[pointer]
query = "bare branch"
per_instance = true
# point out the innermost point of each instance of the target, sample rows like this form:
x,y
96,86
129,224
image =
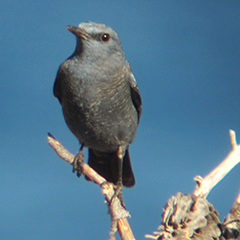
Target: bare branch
x,y
118,213
205,185
190,216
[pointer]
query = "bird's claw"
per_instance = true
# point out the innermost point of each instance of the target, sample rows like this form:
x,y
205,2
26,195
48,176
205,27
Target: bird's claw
x,y
77,163
118,194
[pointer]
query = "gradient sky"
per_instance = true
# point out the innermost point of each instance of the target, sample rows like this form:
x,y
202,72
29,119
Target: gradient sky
x,y
185,56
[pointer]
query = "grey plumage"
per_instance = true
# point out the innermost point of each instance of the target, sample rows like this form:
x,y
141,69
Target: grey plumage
x,y
100,99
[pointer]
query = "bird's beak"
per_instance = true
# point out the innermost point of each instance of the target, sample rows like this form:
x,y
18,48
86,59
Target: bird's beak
x,y
78,32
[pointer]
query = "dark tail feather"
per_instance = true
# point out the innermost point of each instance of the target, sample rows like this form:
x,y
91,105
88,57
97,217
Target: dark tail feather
x,y
106,164
103,164
128,176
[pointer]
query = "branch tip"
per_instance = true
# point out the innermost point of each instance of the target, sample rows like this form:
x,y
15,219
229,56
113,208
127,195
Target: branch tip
x,y
233,138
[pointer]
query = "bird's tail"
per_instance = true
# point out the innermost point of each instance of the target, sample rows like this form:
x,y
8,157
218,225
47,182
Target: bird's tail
x,y
106,164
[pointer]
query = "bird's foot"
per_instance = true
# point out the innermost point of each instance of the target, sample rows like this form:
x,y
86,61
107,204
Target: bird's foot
x,y
77,163
118,194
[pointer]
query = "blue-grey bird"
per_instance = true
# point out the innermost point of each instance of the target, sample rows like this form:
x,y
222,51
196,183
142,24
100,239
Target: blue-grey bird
x,y
100,100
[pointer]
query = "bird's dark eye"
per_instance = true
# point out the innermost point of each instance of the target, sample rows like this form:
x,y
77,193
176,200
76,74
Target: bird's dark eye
x,y
105,37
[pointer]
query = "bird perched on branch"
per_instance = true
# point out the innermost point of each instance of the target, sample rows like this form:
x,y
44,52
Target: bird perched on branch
x,y
100,100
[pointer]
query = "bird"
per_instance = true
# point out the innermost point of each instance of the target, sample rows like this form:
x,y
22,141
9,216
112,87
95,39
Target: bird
x,y
100,100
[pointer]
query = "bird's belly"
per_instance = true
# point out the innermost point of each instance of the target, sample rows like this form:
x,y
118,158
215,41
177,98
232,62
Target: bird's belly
x,y
101,125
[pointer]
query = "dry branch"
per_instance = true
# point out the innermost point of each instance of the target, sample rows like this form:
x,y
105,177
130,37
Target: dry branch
x,y
118,213
205,185
182,217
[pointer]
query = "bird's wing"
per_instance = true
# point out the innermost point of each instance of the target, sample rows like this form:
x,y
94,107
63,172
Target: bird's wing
x,y
136,97
57,85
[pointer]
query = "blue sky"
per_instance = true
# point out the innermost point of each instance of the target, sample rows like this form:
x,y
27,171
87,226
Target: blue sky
x,y
185,56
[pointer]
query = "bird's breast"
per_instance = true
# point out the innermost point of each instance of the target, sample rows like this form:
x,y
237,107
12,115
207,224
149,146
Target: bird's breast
x,y
99,110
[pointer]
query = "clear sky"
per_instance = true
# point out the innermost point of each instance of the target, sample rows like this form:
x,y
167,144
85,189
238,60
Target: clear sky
x,y
185,56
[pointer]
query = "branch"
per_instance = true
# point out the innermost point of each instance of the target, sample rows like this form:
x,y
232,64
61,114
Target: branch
x,y
192,216
205,185
231,225
118,213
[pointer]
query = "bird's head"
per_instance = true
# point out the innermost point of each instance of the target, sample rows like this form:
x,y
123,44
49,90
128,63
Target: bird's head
x,y
96,40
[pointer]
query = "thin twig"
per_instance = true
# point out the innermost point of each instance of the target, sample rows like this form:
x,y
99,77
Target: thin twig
x,y
205,185
118,213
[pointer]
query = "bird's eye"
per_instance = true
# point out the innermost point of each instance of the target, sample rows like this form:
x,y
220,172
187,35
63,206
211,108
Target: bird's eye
x,y
105,37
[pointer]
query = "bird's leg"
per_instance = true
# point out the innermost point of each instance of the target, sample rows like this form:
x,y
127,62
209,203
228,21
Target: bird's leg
x,y
77,162
118,192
